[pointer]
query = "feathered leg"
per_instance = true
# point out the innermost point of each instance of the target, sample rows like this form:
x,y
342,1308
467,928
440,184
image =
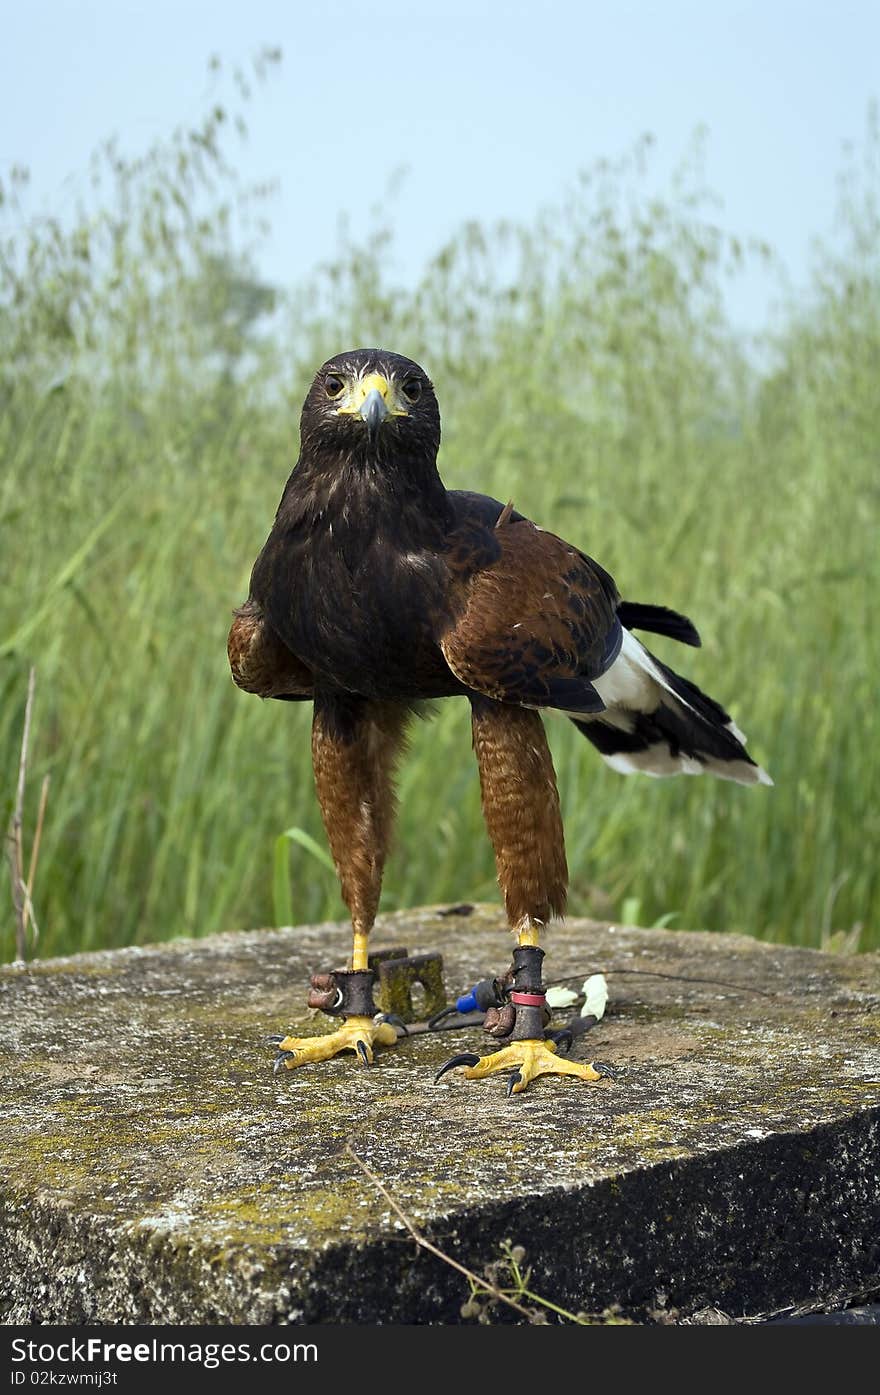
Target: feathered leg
x,y
521,809
355,744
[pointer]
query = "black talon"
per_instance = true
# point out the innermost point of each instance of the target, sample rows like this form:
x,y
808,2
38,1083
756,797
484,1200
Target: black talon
x,y
274,1040
515,1078
281,1059
362,1052
563,1039
395,1021
605,1069
466,1058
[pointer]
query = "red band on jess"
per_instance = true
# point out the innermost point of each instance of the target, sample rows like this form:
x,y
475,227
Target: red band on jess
x,y
528,999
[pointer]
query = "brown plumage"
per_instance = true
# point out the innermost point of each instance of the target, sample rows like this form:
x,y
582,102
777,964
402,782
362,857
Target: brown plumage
x,y
260,662
521,808
355,744
377,589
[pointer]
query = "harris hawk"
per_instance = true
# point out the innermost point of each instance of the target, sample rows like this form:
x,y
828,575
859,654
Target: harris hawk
x,y
378,589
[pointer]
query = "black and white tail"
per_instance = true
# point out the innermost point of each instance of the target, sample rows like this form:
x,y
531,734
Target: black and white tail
x,y
657,723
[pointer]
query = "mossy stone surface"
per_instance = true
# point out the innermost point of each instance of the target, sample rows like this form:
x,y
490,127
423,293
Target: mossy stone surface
x,y
154,1170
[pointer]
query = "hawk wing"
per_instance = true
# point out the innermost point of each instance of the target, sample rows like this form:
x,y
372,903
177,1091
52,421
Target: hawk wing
x,y
536,625
261,663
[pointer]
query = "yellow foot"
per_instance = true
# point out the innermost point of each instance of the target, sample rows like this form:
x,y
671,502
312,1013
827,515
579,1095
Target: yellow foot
x,y
525,1060
358,1034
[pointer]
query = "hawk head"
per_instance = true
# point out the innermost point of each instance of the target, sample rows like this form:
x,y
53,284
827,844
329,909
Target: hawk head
x,y
371,405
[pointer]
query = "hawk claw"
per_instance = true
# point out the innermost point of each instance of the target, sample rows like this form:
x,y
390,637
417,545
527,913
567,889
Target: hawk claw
x,y
515,1079
358,1034
465,1058
564,1039
525,1060
608,1072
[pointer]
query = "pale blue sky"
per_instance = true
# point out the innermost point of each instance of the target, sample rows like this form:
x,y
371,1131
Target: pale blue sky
x,y
492,107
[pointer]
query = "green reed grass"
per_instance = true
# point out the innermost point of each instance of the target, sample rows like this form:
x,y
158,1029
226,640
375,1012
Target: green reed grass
x,y
584,368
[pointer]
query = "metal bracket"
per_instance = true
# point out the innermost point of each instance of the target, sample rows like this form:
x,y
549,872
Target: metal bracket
x,y
397,973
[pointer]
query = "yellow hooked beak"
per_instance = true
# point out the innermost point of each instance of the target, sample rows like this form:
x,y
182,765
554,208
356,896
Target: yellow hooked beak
x,y
374,398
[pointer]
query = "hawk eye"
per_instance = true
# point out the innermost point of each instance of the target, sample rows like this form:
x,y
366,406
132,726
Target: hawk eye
x,y
333,386
412,389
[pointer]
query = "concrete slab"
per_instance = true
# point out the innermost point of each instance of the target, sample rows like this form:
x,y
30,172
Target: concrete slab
x,y
154,1170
